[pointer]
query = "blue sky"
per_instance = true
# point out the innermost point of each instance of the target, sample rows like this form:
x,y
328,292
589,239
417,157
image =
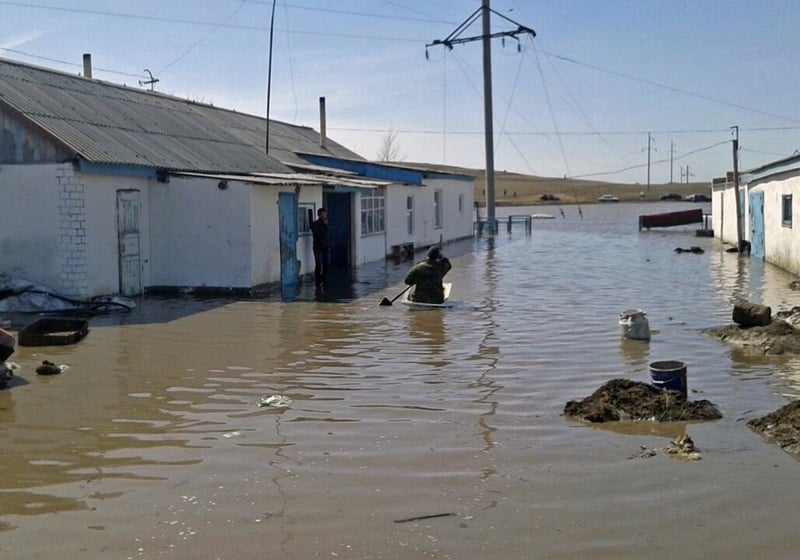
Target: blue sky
x,y
578,100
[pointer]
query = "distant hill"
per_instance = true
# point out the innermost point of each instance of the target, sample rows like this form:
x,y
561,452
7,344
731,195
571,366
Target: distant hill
x,y
517,189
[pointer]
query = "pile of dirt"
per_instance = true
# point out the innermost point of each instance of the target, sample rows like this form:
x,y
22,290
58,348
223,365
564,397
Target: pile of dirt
x,y
781,427
624,399
779,337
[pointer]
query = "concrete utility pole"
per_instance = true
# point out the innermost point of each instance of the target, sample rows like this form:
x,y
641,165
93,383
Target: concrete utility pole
x,y
671,159
739,227
488,126
488,119
648,163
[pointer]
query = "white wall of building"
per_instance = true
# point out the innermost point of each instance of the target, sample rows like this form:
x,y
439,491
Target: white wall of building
x,y
200,234
60,228
456,223
372,246
723,212
458,206
265,232
29,228
397,216
102,239
781,243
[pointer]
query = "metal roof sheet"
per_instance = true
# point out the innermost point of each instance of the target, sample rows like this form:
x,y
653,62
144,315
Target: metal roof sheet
x,y
292,179
787,165
110,123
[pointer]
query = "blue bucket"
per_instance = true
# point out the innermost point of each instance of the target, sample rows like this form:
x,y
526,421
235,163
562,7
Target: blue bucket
x,y
670,374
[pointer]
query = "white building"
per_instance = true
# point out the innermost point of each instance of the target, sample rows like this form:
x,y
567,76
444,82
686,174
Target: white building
x,y
767,197
108,189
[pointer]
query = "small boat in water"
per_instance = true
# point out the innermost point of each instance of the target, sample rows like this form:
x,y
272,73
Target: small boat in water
x,y
53,331
542,216
7,344
407,299
670,219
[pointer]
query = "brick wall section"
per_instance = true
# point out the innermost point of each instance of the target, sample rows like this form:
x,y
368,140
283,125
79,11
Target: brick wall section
x,y
72,234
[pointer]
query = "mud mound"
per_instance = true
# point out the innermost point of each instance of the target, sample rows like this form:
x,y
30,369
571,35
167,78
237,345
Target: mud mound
x,y
623,399
779,337
781,427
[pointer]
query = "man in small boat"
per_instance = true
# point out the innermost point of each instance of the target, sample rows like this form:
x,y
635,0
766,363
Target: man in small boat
x,y
427,277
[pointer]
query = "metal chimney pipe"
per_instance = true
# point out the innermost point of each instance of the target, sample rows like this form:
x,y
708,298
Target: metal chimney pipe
x,y
322,134
87,65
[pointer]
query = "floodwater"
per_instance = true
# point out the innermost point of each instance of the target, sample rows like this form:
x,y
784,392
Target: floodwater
x,y
152,443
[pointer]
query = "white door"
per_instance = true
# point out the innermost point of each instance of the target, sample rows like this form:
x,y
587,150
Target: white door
x,y
130,271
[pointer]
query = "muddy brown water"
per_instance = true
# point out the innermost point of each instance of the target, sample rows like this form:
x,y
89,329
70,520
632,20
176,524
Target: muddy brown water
x,y
152,443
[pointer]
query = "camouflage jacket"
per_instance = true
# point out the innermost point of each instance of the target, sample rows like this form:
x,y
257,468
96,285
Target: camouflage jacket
x,y
427,277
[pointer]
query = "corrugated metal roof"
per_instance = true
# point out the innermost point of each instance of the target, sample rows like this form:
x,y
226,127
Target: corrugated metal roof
x,y
109,123
294,179
785,165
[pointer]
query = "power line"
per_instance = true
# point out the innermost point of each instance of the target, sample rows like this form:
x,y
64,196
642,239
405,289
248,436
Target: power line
x,y
129,15
203,38
672,88
425,19
48,59
570,133
552,115
642,165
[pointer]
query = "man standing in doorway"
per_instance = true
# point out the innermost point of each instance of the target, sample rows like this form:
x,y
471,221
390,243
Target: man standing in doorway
x,y
322,246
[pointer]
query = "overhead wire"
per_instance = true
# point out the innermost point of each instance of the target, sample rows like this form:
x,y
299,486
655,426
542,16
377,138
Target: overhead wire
x,y
643,165
556,129
551,57
130,15
480,96
191,47
505,119
576,104
552,115
68,63
291,61
673,88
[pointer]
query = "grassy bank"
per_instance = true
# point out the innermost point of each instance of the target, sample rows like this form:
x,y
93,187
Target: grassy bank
x,y
525,190
515,189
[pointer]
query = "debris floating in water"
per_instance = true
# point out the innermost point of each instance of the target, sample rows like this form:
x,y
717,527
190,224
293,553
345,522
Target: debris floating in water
x,y
49,368
278,401
424,517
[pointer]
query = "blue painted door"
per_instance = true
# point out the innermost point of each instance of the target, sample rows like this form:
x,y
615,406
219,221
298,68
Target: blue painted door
x,y
287,218
757,225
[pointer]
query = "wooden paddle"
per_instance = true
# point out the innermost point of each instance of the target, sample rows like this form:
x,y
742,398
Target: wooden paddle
x,y
387,301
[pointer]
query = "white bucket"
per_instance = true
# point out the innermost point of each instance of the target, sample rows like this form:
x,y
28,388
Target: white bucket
x,y
634,324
